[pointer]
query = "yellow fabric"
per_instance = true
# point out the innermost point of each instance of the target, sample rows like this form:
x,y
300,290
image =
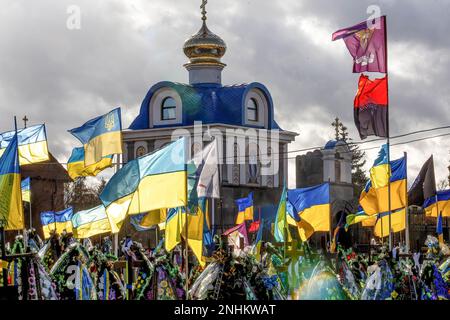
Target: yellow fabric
x,y
77,169
376,200
444,208
369,222
101,146
117,212
11,208
153,192
318,217
379,175
441,238
92,229
154,218
58,226
31,153
26,196
174,228
247,214
4,264
398,223
305,230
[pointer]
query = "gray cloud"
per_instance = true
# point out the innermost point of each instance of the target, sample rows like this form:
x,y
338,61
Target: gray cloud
x,y
63,77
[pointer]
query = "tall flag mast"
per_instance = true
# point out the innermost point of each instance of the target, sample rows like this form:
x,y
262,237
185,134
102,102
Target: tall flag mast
x,y
367,43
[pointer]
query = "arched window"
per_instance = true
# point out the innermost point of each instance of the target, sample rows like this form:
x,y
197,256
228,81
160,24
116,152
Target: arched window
x,y
252,110
168,109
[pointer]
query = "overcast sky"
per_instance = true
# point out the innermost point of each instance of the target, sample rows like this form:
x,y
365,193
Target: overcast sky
x,y
65,77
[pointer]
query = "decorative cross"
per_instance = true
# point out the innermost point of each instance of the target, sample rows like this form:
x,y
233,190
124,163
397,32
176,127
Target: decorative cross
x,y
25,120
203,7
337,124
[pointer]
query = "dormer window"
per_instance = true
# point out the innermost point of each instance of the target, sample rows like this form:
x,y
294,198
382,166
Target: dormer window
x,y
168,109
252,110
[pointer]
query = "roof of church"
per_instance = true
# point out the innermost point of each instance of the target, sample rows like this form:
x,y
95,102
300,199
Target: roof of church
x,y
48,170
332,144
209,103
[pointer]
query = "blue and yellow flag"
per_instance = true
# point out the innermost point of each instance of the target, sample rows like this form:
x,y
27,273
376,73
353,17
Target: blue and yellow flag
x,y
443,203
76,167
100,137
88,223
376,200
146,221
245,208
398,222
26,190
281,226
56,221
439,230
11,208
155,181
32,142
311,209
175,229
357,217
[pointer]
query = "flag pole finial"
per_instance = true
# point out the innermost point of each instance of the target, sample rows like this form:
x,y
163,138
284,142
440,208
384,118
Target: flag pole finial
x,y
203,7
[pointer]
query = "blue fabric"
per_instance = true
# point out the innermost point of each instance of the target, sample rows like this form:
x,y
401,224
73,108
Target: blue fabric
x,y
50,217
209,103
244,203
305,198
382,156
78,155
439,225
25,136
9,161
98,126
443,195
25,184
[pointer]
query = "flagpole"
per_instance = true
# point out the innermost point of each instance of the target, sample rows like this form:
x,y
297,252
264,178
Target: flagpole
x,y
388,133
407,205
186,252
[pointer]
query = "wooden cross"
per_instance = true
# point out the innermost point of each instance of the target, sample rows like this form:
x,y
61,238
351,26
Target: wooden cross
x,y
25,120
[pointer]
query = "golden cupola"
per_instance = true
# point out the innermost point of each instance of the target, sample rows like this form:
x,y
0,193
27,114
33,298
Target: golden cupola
x,y
204,50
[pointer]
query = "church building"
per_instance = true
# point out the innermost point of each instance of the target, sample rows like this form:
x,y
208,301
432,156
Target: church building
x,y
242,115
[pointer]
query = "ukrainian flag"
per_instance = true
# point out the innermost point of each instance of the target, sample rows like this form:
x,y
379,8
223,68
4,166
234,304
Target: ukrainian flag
x,y
76,167
175,229
245,209
398,223
11,209
312,207
375,200
32,143
88,223
443,200
358,217
281,227
146,221
56,221
152,182
100,137
26,191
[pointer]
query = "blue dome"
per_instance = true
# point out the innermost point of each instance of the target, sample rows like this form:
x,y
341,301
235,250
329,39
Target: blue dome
x,y
209,103
330,144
